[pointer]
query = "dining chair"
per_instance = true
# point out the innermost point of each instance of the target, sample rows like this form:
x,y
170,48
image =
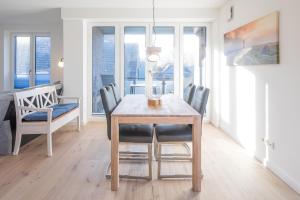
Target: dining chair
x,y
188,93
116,91
178,134
128,133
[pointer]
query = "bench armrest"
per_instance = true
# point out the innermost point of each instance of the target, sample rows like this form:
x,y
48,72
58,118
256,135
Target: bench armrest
x,y
48,110
65,97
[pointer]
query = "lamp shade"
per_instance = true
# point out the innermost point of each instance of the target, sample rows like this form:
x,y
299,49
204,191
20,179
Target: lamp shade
x,y
153,53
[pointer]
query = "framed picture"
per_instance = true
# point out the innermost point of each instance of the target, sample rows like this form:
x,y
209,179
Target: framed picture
x,y
256,43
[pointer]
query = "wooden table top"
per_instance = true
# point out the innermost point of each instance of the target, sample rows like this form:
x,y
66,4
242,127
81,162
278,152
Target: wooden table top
x,y
171,106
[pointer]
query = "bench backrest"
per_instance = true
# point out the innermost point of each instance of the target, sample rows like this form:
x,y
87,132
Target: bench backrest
x,y
34,98
47,96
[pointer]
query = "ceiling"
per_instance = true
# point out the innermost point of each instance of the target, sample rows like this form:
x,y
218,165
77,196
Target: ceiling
x,y
13,8
43,4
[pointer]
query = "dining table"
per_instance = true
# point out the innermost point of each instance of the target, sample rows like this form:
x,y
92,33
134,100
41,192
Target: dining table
x,y
134,109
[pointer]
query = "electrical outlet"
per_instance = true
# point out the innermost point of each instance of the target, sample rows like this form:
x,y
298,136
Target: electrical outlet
x,y
272,145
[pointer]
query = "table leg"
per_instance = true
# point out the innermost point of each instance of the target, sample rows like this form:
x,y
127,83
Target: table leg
x,y
114,154
197,174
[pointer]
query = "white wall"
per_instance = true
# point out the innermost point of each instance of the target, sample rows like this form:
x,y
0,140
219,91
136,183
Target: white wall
x,y
48,22
75,69
263,101
131,14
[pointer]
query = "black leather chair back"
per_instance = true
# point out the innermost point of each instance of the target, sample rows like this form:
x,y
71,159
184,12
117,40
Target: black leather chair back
x,y
116,91
188,93
200,99
109,104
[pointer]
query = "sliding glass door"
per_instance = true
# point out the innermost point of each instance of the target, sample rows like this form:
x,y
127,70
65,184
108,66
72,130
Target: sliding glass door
x,y
134,59
31,59
194,54
135,63
103,61
119,55
163,70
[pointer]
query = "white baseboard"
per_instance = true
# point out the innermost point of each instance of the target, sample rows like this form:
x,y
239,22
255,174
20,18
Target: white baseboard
x,y
273,167
284,176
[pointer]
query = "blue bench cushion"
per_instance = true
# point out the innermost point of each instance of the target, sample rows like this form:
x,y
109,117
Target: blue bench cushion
x,y
58,110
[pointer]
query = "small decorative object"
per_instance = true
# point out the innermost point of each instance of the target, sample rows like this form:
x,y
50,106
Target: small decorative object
x,y
154,102
154,93
61,63
256,43
152,50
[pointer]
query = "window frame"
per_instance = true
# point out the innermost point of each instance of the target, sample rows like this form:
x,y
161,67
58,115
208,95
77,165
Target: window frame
x,y
91,114
90,60
122,51
119,52
208,59
32,36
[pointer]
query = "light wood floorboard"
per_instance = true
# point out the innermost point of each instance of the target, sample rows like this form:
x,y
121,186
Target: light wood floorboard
x,y
77,171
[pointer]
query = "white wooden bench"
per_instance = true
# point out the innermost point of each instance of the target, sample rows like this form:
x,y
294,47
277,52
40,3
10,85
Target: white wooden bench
x,y
38,112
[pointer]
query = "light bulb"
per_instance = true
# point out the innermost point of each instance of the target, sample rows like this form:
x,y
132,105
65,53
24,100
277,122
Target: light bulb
x,y
61,63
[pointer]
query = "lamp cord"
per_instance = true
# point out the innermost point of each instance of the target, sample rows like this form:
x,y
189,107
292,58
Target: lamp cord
x,y
153,18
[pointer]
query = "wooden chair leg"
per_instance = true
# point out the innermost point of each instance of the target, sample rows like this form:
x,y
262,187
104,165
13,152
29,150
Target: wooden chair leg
x,y
49,144
17,143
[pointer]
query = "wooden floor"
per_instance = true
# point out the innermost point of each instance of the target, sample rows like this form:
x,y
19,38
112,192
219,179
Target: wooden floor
x,y
77,168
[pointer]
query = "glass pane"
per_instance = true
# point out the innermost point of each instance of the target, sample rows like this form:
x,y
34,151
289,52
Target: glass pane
x,y
42,60
163,71
103,47
194,44
134,60
22,62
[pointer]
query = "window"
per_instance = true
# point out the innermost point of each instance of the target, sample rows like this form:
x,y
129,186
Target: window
x,y
134,60
182,58
194,54
31,60
22,62
163,71
42,60
103,61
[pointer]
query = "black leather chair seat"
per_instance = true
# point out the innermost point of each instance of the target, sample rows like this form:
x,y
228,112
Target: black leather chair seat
x,y
173,133
136,133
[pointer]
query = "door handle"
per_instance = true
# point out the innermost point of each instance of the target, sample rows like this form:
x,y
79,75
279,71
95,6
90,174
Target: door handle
x,y
30,73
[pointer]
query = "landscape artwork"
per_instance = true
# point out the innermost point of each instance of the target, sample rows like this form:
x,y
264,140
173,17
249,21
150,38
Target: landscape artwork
x,y
256,43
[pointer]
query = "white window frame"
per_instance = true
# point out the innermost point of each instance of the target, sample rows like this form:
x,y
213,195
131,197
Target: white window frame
x,y
208,53
119,52
90,26
122,51
32,36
